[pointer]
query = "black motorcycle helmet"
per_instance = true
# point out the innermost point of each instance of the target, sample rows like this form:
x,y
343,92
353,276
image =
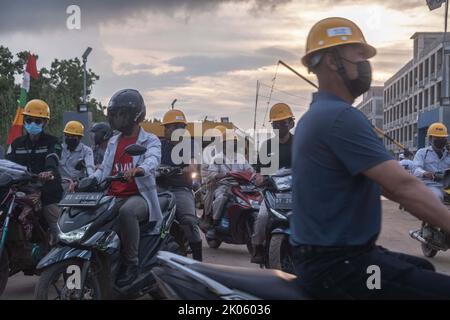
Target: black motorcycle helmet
x,y
125,109
102,132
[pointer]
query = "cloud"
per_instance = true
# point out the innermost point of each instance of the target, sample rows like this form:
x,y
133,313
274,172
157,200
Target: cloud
x,y
43,15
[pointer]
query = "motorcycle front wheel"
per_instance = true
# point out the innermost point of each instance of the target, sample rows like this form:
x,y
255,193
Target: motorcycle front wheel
x,y
428,251
53,284
280,254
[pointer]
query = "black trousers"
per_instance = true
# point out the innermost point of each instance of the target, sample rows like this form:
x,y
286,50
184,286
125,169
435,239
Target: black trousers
x,y
344,274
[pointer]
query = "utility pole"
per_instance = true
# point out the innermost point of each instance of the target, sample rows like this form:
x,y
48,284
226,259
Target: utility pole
x,y
83,106
256,105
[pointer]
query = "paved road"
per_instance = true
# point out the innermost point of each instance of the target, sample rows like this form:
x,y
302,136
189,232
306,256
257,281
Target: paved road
x,y
394,236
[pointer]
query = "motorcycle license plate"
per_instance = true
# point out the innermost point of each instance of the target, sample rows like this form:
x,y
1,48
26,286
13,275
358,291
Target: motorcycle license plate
x,y
283,201
81,199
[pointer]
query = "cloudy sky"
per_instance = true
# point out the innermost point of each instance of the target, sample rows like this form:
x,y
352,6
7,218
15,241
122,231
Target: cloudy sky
x,y
207,53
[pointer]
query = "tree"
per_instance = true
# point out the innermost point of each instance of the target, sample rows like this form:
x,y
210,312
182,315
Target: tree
x,y
61,87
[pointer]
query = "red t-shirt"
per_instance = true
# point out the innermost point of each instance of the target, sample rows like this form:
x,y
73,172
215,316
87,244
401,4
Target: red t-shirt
x,y
120,189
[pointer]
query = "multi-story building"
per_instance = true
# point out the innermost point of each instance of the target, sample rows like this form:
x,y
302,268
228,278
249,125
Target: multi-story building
x,y
372,106
412,96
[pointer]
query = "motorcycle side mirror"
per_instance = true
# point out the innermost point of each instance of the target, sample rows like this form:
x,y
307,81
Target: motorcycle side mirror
x,y
135,150
81,164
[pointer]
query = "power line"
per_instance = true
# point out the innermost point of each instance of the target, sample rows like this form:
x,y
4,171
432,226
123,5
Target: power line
x,y
287,93
290,102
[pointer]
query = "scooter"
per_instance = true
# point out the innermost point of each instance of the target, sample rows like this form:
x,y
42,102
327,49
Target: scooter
x,y
86,262
181,278
238,218
24,235
437,239
278,201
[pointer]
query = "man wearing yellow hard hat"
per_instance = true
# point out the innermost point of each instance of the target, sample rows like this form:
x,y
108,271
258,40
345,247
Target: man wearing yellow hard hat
x,y
182,185
40,153
276,153
340,169
430,162
74,151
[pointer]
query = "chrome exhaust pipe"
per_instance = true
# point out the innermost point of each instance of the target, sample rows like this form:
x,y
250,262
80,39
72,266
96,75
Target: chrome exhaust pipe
x,y
416,235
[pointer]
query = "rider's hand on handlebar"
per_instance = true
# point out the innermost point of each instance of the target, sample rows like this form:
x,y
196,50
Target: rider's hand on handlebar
x,y
130,174
72,186
428,175
46,176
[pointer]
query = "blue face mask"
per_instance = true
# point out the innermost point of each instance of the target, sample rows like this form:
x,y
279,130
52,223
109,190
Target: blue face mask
x,y
33,128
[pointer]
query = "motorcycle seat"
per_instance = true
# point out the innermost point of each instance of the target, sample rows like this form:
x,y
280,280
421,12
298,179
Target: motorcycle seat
x,y
262,283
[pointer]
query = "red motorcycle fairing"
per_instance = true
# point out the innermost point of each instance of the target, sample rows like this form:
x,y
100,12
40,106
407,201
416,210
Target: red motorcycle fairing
x,y
242,176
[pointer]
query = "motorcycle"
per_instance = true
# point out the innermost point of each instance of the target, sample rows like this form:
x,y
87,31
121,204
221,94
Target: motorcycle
x,y
86,262
181,278
239,214
434,239
278,201
24,230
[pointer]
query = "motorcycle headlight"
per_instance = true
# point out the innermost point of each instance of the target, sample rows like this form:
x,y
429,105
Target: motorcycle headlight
x,y
75,235
283,183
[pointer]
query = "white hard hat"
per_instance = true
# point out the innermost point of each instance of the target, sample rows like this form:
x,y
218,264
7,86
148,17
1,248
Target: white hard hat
x,y
401,156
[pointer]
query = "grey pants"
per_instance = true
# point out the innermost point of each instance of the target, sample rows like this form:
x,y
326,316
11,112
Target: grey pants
x,y
208,200
259,234
51,214
220,199
132,211
186,213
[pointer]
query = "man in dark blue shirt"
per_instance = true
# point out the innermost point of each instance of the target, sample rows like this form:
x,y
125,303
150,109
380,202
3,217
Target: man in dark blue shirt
x,y
340,169
172,154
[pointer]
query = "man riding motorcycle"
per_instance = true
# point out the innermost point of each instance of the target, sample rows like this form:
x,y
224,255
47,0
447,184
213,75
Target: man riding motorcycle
x,y
282,120
73,150
209,152
406,162
32,150
224,163
102,133
136,200
181,185
431,162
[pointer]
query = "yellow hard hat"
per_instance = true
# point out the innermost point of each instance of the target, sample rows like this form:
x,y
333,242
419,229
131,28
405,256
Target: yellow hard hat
x,y
75,128
280,111
437,130
333,32
174,116
37,108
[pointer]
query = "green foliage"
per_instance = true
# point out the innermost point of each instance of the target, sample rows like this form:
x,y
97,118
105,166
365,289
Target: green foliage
x,y
61,87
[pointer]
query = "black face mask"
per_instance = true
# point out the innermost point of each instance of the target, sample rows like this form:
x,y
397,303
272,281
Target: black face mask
x,y
362,83
439,144
72,143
